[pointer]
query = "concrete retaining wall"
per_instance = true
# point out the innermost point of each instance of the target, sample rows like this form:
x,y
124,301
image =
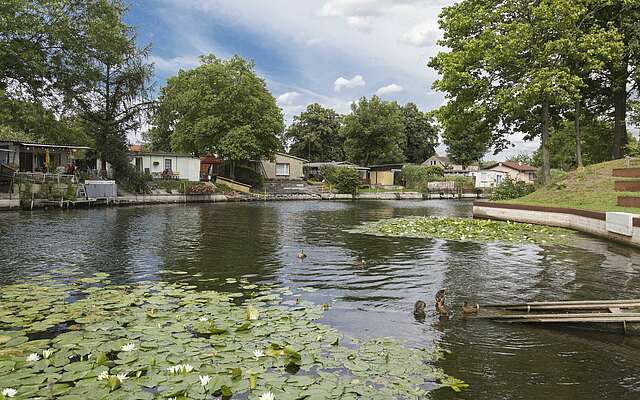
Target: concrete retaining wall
x,y
593,223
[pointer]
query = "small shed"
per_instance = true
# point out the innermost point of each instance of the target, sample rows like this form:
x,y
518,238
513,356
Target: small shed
x,y
283,167
386,175
161,164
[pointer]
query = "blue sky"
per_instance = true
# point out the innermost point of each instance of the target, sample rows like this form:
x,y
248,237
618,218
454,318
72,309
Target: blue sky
x,y
327,51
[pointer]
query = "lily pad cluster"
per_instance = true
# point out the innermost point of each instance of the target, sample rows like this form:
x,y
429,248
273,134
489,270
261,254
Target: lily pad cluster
x,y
89,338
468,229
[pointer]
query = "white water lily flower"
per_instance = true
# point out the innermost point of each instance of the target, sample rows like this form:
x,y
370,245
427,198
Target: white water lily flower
x,y
9,392
122,377
33,357
47,353
203,319
258,353
204,380
128,347
267,396
187,368
104,375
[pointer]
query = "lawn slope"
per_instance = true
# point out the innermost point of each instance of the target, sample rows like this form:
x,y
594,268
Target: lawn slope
x,y
589,188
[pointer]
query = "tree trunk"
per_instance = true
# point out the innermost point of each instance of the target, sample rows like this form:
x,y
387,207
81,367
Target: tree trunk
x,y
546,164
578,134
620,121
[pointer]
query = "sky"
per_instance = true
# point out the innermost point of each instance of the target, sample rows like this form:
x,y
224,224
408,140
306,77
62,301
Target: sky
x,y
330,52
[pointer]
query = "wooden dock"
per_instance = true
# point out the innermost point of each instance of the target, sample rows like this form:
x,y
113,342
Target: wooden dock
x,y
620,316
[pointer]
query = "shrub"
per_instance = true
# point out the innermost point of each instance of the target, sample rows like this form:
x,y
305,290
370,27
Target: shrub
x,y
249,177
328,172
511,189
134,181
346,180
417,176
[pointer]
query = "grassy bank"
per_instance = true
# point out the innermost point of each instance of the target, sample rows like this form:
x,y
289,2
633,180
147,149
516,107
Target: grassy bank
x,y
589,188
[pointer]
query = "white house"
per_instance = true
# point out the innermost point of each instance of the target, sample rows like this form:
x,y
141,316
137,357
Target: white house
x,y
489,179
166,165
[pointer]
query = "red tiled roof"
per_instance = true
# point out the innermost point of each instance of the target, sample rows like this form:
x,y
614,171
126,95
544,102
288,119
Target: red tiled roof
x,y
522,167
135,148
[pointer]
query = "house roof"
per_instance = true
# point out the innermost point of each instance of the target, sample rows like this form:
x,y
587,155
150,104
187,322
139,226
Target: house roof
x,y
160,154
54,146
518,166
136,148
387,166
335,164
442,159
290,156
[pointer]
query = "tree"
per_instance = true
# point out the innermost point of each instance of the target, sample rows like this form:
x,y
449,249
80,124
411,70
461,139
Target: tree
x,y
421,136
220,107
374,132
524,158
315,135
511,67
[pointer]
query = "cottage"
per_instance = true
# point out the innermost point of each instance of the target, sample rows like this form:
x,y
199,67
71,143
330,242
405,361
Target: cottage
x,y
516,170
314,170
386,175
165,165
283,167
449,168
44,158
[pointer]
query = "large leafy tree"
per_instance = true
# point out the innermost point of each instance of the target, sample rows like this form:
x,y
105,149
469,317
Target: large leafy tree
x,y
511,68
315,135
220,107
421,135
374,132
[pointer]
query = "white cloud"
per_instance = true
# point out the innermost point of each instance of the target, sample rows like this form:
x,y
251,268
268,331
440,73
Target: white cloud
x,y
390,89
344,83
363,23
173,65
287,99
421,36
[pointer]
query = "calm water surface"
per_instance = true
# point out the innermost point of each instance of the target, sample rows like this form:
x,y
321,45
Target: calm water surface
x,y
216,241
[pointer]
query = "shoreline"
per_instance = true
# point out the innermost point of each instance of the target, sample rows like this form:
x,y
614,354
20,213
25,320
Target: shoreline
x,y
123,201
622,228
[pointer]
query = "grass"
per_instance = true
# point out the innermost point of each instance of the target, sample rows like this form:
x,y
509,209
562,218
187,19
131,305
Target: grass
x,y
589,188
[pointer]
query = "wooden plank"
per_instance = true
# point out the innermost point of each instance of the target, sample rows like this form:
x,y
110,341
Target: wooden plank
x,y
546,303
611,319
552,316
570,307
615,310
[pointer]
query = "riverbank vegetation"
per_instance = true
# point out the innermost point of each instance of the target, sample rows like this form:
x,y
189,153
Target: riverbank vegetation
x,y
90,338
589,188
467,229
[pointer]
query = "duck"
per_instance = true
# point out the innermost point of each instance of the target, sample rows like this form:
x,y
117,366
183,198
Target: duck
x,y
469,308
301,255
419,309
441,296
360,262
441,308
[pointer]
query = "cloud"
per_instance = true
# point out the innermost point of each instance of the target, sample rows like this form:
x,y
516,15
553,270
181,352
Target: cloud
x,y
421,36
393,88
287,99
359,22
173,65
343,83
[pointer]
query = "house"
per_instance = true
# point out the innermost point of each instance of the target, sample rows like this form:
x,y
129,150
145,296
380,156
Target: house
x,y
516,170
386,175
283,167
314,170
163,164
494,174
449,168
36,157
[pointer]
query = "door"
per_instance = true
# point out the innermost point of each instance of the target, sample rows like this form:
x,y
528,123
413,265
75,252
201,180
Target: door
x,y
26,162
139,164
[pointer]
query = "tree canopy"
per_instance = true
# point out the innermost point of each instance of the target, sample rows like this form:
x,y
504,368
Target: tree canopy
x,y
220,107
315,135
421,135
511,68
374,132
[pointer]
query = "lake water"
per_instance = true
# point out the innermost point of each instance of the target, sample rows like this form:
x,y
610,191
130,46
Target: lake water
x,y
216,241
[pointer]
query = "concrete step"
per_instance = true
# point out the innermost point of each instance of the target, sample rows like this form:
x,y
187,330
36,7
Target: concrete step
x,y
627,186
627,173
628,201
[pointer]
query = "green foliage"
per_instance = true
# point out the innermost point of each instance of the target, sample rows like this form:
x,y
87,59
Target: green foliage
x,y
134,181
221,107
164,338
315,135
345,180
417,176
468,229
421,135
10,134
524,158
510,189
249,177
374,132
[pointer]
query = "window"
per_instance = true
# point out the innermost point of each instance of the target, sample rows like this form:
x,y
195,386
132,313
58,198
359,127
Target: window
x,y
4,154
532,176
167,164
498,179
282,169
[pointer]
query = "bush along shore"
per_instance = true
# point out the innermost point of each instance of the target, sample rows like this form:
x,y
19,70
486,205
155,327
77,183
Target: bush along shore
x,y
88,338
468,229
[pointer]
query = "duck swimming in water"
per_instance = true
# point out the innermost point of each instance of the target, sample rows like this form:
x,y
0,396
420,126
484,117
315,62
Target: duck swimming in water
x,y
419,309
469,308
360,262
441,308
301,255
441,296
